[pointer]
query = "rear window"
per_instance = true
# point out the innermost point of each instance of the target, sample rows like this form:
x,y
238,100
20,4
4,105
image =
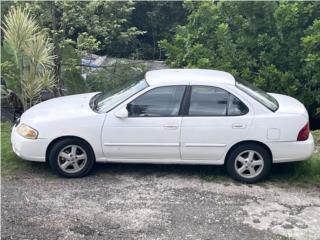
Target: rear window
x,y
259,95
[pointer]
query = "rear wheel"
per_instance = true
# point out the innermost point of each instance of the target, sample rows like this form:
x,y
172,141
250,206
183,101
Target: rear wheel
x,y
249,163
71,158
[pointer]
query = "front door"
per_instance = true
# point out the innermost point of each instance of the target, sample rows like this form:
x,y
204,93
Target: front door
x,y
151,130
214,120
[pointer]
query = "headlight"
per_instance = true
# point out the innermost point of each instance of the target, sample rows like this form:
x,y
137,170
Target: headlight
x,y
27,132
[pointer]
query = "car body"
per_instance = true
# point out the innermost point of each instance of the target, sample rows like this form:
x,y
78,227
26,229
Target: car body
x,y
187,116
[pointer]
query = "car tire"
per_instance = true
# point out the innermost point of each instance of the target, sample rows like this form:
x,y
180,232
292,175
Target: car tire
x,y
249,163
71,158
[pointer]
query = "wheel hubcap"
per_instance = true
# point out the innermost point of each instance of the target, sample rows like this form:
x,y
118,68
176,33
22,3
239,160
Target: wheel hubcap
x,y
72,159
249,164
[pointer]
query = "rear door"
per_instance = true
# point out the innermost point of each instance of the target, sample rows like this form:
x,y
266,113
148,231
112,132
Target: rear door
x,y
214,119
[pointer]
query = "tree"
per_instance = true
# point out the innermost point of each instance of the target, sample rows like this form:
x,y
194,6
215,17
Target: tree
x,y
311,63
157,19
56,47
106,22
33,53
274,45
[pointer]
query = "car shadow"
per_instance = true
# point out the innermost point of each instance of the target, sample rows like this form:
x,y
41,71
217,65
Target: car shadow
x,y
140,170
282,173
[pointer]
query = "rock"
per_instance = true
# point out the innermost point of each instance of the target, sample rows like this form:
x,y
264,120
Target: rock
x,y
256,220
287,226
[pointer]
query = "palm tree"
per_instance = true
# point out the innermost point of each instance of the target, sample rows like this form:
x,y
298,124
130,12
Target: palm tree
x,y
33,52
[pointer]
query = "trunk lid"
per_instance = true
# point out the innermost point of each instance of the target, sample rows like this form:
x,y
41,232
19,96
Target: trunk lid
x,y
289,104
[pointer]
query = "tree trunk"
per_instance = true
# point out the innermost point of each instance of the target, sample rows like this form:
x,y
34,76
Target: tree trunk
x,y
56,50
21,67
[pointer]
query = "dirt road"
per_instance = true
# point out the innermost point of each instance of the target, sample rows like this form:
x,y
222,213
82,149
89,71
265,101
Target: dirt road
x,y
153,202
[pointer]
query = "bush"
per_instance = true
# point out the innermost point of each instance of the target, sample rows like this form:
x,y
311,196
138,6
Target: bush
x,y
274,45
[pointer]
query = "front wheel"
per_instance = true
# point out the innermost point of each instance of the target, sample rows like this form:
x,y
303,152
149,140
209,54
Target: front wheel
x,y
249,163
71,158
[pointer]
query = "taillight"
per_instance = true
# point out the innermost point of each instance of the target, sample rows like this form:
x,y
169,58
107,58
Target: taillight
x,y
304,133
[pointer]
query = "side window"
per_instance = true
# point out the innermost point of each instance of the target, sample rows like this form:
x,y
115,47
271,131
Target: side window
x,y
158,102
236,107
208,101
213,101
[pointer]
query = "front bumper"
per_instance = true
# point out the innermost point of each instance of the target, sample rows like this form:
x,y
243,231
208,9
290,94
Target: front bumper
x,y
29,149
292,151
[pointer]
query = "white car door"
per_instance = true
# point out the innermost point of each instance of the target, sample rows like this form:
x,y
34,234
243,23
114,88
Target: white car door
x,y
213,120
151,130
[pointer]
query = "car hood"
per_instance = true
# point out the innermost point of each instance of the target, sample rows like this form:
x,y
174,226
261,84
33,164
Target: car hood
x,y
289,104
73,106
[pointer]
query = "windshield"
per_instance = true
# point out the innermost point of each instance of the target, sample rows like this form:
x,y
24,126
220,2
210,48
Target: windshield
x,y
109,99
264,98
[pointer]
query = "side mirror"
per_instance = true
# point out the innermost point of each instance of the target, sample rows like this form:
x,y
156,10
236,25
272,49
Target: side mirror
x,y
123,113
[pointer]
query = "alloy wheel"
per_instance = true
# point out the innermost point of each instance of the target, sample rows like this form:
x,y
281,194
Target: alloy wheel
x,y
249,164
72,159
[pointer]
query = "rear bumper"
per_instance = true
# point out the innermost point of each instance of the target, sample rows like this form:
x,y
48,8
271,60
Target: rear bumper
x,y
28,149
292,151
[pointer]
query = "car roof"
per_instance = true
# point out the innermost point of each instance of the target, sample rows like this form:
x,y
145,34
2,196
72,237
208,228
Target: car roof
x,y
188,76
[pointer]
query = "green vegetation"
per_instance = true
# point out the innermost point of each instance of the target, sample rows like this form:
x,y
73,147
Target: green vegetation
x,y
10,163
88,26
71,73
158,20
33,55
298,173
274,45
305,173
107,29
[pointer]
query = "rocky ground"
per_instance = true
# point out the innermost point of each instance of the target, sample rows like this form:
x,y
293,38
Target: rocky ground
x,y
122,201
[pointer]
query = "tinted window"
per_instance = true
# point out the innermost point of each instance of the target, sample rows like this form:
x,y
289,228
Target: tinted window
x,y
158,102
264,98
236,107
208,101
212,101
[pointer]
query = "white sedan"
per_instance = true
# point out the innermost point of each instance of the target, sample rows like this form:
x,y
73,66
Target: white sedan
x,y
176,116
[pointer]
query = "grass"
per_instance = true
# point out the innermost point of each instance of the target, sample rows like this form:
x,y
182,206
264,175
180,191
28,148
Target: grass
x,y
10,163
306,173
301,173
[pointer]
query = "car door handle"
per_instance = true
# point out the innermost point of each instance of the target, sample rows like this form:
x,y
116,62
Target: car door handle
x,y
238,126
172,127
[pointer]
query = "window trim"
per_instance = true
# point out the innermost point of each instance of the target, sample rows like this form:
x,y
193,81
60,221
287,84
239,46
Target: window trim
x,y
185,102
247,108
187,106
180,107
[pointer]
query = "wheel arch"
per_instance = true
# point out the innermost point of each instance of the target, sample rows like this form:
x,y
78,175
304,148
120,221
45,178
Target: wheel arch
x,y
246,142
54,141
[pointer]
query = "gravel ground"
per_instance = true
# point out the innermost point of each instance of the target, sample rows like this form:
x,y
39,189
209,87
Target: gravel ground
x,y
122,201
